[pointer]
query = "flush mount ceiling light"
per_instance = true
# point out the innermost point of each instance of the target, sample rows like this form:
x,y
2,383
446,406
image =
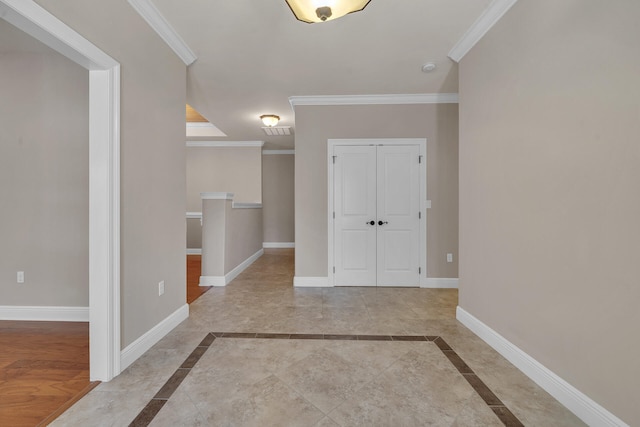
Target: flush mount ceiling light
x,y
311,11
270,119
428,67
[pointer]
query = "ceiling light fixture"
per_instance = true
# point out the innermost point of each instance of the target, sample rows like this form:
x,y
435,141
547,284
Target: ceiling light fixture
x,y
312,11
428,67
270,119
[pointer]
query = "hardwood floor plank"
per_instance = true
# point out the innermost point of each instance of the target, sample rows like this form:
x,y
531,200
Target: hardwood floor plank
x,y
43,365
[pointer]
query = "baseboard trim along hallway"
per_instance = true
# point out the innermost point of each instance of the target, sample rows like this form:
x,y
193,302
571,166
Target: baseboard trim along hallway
x,y
140,346
439,283
278,245
44,313
577,402
227,278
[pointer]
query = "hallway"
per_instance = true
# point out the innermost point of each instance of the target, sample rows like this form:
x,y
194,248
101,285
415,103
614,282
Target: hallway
x,y
260,352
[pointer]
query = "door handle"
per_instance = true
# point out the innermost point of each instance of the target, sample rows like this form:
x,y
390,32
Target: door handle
x,y
372,222
382,222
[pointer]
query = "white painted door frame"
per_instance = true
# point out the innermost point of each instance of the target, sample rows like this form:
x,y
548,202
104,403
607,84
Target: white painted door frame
x,y
104,176
422,144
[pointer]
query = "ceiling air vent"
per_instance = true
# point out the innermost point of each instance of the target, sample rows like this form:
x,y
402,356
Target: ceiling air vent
x,y
277,130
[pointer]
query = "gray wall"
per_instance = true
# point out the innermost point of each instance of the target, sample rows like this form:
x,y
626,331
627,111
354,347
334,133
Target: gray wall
x,y
235,170
44,174
278,197
316,124
153,92
549,195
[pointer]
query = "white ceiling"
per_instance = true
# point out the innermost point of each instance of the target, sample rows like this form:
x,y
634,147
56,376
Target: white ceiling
x,y
253,55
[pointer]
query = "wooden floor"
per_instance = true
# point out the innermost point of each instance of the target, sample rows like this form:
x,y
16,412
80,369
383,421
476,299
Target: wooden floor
x,y
44,369
193,278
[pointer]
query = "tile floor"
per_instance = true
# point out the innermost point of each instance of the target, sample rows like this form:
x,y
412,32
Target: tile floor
x,y
244,379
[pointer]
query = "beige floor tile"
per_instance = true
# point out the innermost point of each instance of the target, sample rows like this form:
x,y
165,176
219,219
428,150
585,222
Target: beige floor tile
x,y
265,382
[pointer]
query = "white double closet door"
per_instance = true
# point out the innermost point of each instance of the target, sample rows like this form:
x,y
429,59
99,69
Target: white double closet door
x,y
377,207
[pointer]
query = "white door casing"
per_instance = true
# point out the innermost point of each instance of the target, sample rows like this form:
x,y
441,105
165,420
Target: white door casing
x,y
104,176
393,251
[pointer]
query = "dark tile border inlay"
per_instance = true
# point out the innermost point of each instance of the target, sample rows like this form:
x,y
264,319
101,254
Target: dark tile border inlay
x,y
162,396
155,405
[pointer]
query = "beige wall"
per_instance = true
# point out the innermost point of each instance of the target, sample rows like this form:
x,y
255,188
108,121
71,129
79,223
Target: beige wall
x,y
153,92
316,124
44,174
549,194
229,236
278,197
224,169
243,235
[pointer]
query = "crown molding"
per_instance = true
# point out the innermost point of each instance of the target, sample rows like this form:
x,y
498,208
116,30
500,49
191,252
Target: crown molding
x,y
480,27
225,143
150,13
276,152
416,98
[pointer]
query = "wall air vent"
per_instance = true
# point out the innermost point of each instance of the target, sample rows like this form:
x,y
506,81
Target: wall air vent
x,y
277,130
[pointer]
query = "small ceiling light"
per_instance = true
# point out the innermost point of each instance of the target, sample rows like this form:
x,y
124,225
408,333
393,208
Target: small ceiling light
x,y
312,11
270,119
428,67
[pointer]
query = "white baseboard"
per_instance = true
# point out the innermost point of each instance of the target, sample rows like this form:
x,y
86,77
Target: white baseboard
x,y
227,278
577,402
44,313
140,346
194,251
442,283
311,282
278,245
242,266
212,281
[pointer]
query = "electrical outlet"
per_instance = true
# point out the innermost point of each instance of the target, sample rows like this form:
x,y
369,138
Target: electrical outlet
x,y
161,288
449,257
20,276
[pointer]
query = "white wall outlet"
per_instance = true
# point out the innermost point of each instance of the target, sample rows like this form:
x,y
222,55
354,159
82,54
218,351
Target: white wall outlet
x,y
161,288
20,276
449,257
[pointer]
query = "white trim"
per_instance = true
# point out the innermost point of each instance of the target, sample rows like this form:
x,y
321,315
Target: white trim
x,y
415,98
104,176
194,215
439,283
276,152
278,245
194,251
246,205
577,402
140,346
227,278
242,266
480,27
218,195
420,142
148,11
212,281
311,282
44,313
214,144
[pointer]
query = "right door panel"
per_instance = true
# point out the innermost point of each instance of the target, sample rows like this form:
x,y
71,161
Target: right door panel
x,y
398,205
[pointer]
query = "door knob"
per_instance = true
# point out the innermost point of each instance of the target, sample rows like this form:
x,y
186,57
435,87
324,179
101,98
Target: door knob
x,y
372,222
382,222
